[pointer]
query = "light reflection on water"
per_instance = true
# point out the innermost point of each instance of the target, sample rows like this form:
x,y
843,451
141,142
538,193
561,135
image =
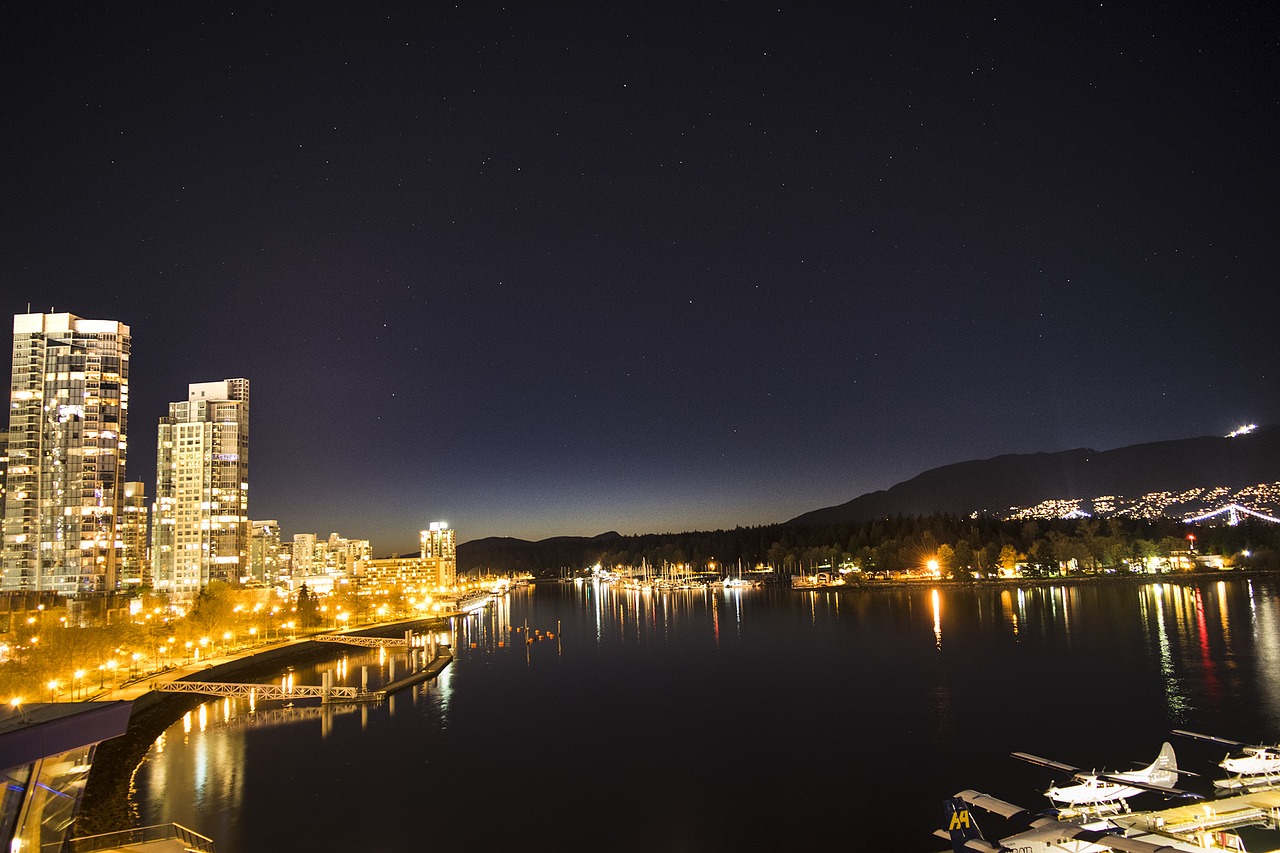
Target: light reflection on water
x,y
794,702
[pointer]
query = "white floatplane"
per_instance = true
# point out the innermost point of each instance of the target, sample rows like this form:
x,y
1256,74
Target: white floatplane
x,y
1256,767
1144,832
1108,793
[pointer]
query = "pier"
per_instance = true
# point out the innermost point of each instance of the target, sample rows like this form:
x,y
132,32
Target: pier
x,y
265,691
425,660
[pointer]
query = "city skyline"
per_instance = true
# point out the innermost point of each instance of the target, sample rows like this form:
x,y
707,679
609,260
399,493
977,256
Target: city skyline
x,y
657,268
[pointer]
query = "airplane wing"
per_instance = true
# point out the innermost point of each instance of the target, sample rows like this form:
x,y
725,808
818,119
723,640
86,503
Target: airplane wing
x,y
1005,809
1045,762
1210,738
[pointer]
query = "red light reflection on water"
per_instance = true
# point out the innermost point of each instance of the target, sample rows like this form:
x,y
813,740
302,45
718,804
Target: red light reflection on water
x,y
1206,659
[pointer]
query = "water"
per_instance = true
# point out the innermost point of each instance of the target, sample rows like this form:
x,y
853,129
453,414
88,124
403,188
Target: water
x,y
751,720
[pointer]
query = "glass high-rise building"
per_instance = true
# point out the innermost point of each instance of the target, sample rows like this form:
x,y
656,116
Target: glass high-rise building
x,y
68,422
135,567
264,550
200,519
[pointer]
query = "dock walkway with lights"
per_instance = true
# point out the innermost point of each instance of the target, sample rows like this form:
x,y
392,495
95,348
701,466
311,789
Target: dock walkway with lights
x,y
326,693
1256,809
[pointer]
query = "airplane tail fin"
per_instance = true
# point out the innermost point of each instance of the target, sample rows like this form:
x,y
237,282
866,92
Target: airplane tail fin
x,y
1164,770
960,824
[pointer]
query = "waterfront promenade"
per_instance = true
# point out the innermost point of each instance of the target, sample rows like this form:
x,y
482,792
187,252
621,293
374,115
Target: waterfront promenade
x,y
105,808
142,687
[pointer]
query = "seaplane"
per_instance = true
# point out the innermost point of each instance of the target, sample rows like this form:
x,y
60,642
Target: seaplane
x,y
1046,833
1050,835
1256,767
1101,793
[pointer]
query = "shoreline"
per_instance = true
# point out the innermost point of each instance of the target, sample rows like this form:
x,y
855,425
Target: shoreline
x,y
1181,579
106,805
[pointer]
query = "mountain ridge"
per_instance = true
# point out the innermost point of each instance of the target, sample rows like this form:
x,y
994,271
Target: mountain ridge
x,y
1008,480
993,485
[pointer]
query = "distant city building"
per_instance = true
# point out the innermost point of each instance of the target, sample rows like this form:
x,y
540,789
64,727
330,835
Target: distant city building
x,y
264,550
284,565
67,440
336,555
439,540
339,555
135,566
436,567
304,555
200,523
407,575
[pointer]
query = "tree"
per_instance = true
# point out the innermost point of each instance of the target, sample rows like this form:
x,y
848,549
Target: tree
x,y
308,608
1008,558
213,611
1040,559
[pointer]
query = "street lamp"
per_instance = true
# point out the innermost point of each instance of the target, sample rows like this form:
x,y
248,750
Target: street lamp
x,y
53,687
75,682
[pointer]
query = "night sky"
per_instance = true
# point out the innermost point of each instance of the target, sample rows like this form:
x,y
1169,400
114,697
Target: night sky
x,y
563,268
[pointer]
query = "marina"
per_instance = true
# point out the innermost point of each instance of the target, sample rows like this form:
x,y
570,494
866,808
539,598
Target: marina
x,y
711,687
1094,814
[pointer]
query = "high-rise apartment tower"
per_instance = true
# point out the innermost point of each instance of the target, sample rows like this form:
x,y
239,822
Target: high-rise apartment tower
x,y
135,566
200,520
68,422
440,541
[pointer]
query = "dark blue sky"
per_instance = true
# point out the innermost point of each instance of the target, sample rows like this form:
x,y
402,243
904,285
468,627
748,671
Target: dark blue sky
x,y
651,267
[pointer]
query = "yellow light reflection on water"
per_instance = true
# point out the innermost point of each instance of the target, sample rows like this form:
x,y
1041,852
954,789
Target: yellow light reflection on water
x,y
937,619
1006,604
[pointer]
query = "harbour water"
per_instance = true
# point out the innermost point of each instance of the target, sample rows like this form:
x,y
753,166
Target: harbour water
x,y
731,720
